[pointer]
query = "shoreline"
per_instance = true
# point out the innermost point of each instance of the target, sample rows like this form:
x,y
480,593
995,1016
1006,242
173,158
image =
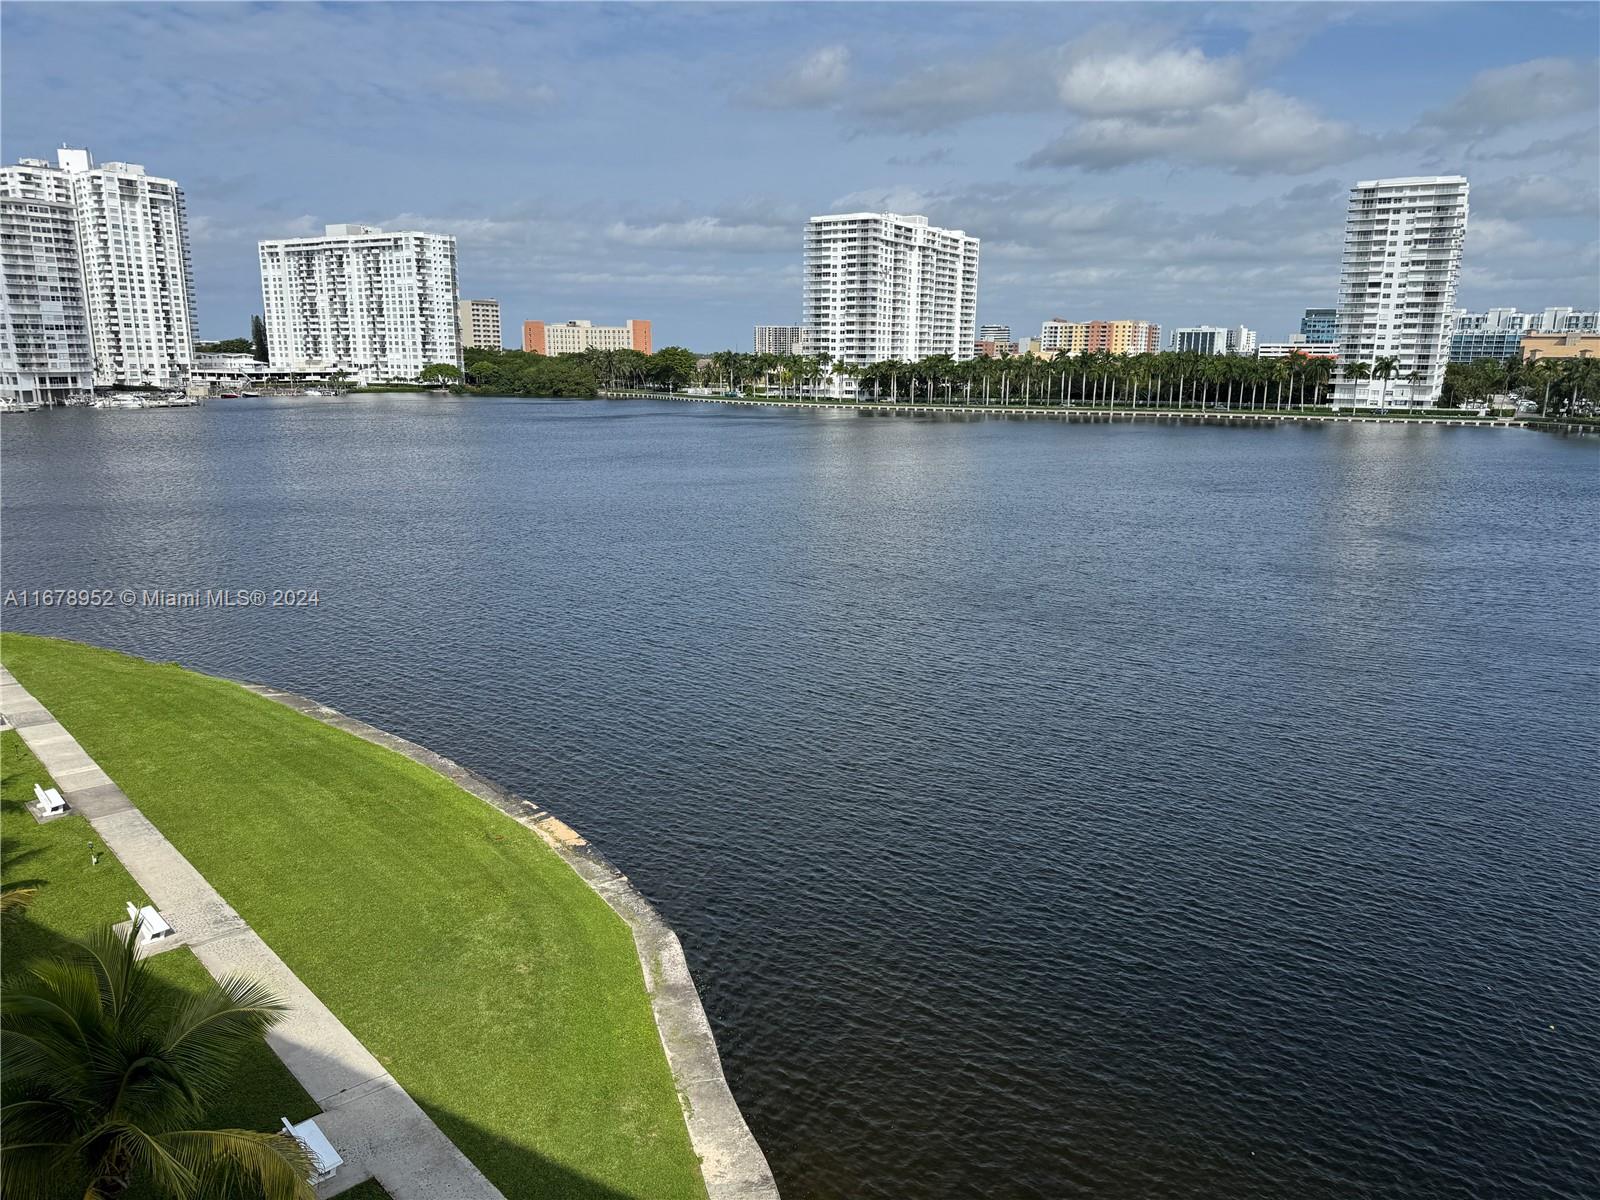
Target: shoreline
x,y
1089,413
732,1164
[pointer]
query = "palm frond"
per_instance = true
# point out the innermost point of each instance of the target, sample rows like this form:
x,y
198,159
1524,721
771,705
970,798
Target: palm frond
x,y
208,1029
151,1157
14,900
274,1164
37,1159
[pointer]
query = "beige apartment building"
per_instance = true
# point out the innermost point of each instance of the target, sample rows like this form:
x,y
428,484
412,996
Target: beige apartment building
x,y
480,324
574,337
1560,345
1060,336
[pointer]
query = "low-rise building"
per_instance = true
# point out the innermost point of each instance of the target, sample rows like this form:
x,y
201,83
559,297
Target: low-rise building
x,y
1537,346
574,337
1467,345
990,348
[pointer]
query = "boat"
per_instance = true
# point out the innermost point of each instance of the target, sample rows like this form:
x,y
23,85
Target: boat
x,y
314,392
11,405
249,393
227,395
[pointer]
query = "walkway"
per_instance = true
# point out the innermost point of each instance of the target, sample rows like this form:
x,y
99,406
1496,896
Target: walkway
x,y
379,1130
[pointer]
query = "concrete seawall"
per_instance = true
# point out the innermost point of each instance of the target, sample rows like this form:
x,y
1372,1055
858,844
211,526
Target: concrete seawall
x,y
731,1162
1080,413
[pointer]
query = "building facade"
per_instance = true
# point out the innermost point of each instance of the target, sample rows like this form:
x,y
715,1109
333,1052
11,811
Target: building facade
x,y
379,306
1537,346
1320,325
1061,336
994,333
1550,320
780,339
988,348
881,286
46,352
1397,285
574,337
1200,339
480,324
1298,344
1467,345
1241,340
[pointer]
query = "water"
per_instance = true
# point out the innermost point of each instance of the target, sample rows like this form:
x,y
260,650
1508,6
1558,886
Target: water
x,y
1047,810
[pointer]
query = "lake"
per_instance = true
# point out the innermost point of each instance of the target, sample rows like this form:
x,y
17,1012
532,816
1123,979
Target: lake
x,y
1046,809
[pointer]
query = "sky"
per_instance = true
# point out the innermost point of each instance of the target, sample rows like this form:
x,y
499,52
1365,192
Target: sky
x,y
1185,163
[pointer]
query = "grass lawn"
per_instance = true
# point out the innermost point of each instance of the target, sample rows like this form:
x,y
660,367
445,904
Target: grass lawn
x,y
493,983
73,897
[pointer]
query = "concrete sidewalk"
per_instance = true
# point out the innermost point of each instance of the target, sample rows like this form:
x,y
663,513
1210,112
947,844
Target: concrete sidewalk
x,y
379,1130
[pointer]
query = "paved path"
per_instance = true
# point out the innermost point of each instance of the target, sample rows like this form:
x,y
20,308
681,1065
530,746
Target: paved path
x,y
379,1130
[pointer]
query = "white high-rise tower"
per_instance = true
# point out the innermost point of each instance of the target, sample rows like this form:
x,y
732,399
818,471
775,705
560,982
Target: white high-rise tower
x,y
45,351
881,286
379,305
1397,285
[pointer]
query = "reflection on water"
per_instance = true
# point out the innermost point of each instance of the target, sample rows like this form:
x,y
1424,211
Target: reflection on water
x,y
1046,809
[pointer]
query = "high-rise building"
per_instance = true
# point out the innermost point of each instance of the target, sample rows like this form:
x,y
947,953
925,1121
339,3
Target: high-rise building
x,y
883,286
574,337
1397,285
46,353
133,278
1320,325
780,339
1241,340
380,306
480,324
1061,336
994,333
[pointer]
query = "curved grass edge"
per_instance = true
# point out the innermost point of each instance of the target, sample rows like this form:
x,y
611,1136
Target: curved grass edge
x,y
731,1161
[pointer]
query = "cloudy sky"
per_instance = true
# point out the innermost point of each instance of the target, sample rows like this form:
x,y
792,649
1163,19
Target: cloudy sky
x,y
1179,163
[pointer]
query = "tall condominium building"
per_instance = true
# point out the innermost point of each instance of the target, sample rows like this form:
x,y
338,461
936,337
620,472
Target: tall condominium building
x,y
574,337
1061,336
1397,285
380,306
780,339
133,273
1550,320
1320,325
883,286
46,353
480,324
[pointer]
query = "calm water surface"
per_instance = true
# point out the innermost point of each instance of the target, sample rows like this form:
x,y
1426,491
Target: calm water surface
x,y
1046,810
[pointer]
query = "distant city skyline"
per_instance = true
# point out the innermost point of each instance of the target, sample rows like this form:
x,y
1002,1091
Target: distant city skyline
x,y
1185,165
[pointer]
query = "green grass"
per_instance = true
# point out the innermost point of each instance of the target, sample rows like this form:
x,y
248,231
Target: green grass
x,y
494,984
74,896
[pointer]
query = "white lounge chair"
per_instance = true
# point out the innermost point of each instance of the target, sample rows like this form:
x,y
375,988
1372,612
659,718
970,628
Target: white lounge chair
x,y
325,1159
50,801
152,923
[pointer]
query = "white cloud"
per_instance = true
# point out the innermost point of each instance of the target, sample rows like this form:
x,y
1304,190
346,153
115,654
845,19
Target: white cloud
x,y
704,233
1502,97
1137,82
1264,132
816,81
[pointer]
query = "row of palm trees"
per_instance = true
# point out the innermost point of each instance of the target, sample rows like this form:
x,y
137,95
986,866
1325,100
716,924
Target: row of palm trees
x,y
1174,379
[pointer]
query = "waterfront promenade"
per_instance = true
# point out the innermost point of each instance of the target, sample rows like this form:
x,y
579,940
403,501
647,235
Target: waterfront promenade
x,y
381,1132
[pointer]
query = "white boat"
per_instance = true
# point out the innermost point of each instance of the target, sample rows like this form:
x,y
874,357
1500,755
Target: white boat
x,y
314,392
8,404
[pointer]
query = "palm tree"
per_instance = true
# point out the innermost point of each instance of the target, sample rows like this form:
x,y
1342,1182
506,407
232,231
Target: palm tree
x,y
111,1078
1384,369
1355,372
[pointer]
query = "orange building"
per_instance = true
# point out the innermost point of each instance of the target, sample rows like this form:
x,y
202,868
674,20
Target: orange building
x,y
1560,345
574,337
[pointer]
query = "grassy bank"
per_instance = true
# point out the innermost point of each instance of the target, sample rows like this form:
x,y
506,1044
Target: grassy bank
x,y
497,987
73,896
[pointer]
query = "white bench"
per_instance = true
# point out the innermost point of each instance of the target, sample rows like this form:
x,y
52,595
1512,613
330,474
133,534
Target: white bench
x,y
50,801
152,924
325,1160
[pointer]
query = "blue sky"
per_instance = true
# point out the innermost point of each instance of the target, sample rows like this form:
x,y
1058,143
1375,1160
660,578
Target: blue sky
x,y
1180,163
